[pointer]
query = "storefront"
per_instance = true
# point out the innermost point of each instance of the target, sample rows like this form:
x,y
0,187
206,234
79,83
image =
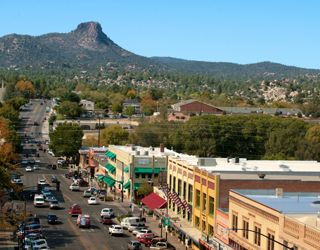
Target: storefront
x,y
212,244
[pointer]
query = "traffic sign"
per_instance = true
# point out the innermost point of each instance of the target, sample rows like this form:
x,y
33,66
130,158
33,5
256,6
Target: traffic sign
x,y
166,221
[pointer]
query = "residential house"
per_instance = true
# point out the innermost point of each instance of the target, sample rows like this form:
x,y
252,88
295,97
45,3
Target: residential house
x,y
133,103
88,105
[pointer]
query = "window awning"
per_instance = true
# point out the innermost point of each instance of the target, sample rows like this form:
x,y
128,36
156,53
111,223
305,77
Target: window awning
x,y
110,155
127,185
99,178
110,168
156,170
109,181
143,171
136,186
126,170
154,201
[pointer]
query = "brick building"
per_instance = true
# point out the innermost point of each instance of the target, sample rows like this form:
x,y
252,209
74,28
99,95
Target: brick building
x,y
195,106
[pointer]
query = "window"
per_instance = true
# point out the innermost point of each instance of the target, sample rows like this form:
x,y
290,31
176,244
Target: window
x,y
211,230
211,206
286,244
295,248
189,216
198,199
204,200
174,183
257,235
203,226
190,193
197,221
170,182
234,222
245,232
184,189
137,175
179,187
143,176
149,176
270,241
184,213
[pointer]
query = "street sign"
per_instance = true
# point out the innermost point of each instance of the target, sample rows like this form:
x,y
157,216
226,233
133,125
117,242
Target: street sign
x,y
166,221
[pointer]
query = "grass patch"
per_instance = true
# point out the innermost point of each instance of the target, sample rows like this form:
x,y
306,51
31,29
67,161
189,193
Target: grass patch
x,y
119,218
60,117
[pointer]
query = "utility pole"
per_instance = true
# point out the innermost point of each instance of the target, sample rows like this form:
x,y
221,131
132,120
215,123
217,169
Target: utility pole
x,y
99,134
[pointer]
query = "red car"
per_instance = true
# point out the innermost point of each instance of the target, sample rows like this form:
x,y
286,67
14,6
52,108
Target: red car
x,y
106,220
40,148
83,183
38,144
75,210
70,175
146,239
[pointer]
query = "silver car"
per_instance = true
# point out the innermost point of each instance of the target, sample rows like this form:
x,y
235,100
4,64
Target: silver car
x,y
87,193
54,204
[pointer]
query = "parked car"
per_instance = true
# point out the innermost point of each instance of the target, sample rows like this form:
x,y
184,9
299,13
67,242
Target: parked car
x,y
86,193
92,201
137,229
132,226
101,195
52,218
28,219
144,231
134,245
83,220
106,220
146,239
107,212
75,210
54,204
92,189
19,182
33,237
37,244
115,230
83,183
33,193
162,245
97,191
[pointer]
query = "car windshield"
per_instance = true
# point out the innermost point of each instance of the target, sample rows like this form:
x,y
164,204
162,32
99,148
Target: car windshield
x,y
54,202
52,216
136,244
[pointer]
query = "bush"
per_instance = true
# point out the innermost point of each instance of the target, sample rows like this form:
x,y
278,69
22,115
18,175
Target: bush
x,y
299,114
119,218
182,118
276,113
307,114
178,117
173,114
108,198
192,114
224,112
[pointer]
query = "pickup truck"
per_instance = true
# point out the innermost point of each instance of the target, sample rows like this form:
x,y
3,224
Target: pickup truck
x,y
162,246
74,187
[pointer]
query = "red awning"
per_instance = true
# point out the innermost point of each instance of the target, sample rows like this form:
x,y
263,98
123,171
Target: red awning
x,y
154,201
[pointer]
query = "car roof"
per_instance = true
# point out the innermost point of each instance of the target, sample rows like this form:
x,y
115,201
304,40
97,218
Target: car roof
x,y
52,215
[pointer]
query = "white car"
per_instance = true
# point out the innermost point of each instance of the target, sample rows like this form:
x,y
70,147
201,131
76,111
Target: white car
x,y
19,182
107,212
29,169
144,231
37,244
36,167
47,142
115,229
74,187
92,201
86,193
24,162
42,181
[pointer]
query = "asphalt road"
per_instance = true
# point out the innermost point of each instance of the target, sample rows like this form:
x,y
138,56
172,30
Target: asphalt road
x,y
66,234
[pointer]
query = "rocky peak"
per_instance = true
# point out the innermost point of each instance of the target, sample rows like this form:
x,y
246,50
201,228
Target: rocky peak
x,y
92,30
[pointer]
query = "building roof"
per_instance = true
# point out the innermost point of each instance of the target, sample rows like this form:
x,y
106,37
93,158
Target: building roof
x,y
152,151
249,110
191,101
299,206
131,102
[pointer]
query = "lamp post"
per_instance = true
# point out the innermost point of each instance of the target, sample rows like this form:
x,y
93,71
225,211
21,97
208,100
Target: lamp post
x,y
230,229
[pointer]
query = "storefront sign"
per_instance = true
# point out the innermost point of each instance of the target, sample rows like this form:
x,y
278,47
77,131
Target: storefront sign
x,y
143,161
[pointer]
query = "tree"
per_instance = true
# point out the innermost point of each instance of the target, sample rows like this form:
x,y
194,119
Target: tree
x,y
70,109
163,113
299,114
115,135
145,188
131,94
25,88
90,141
313,134
129,111
69,96
116,108
147,110
9,113
66,139
80,87
276,113
101,105
307,114
148,101
261,101
52,119
16,103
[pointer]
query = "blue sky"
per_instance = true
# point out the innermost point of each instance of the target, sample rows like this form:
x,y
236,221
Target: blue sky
x,y
243,32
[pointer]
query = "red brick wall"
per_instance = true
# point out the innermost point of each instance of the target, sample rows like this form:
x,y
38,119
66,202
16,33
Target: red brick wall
x,y
197,106
287,185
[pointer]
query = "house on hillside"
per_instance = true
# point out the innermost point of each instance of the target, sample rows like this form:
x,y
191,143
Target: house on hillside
x,y
88,105
195,106
133,103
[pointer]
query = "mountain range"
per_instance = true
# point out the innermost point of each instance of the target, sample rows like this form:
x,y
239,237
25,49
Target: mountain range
x,y
89,44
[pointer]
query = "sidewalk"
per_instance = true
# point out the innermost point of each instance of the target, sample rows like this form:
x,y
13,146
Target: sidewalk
x,y
6,243
152,224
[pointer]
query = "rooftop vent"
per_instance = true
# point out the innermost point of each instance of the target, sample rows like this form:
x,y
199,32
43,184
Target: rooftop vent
x,y
237,160
315,204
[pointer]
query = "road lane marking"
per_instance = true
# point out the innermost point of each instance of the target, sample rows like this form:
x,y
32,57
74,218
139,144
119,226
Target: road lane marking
x,y
66,197
46,180
105,247
75,230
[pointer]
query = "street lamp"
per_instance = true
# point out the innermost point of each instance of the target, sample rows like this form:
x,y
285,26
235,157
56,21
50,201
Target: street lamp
x,y
231,229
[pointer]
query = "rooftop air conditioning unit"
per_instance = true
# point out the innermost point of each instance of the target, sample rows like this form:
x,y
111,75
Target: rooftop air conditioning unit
x,y
137,152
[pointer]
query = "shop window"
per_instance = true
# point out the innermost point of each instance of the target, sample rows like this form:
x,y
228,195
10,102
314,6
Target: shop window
x,y
149,176
137,175
245,231
257,236
270,242
235,222
204,200
156,176
190,193
211,206
198,199
143,176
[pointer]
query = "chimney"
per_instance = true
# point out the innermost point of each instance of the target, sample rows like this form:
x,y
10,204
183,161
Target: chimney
x,y
161,147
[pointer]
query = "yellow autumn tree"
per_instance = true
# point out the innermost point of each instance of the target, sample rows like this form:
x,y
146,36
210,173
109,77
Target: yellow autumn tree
x,y
25,88
90,141
131,94
148,101
313,134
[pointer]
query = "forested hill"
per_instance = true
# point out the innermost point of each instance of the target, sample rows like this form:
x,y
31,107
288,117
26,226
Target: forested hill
x,y
232,69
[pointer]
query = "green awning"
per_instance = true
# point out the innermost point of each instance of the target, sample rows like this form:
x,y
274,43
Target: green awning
x,y
136,186
110,168
156,170
99,178
126,170
109,180
127,185
110,155
121,182
143,171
